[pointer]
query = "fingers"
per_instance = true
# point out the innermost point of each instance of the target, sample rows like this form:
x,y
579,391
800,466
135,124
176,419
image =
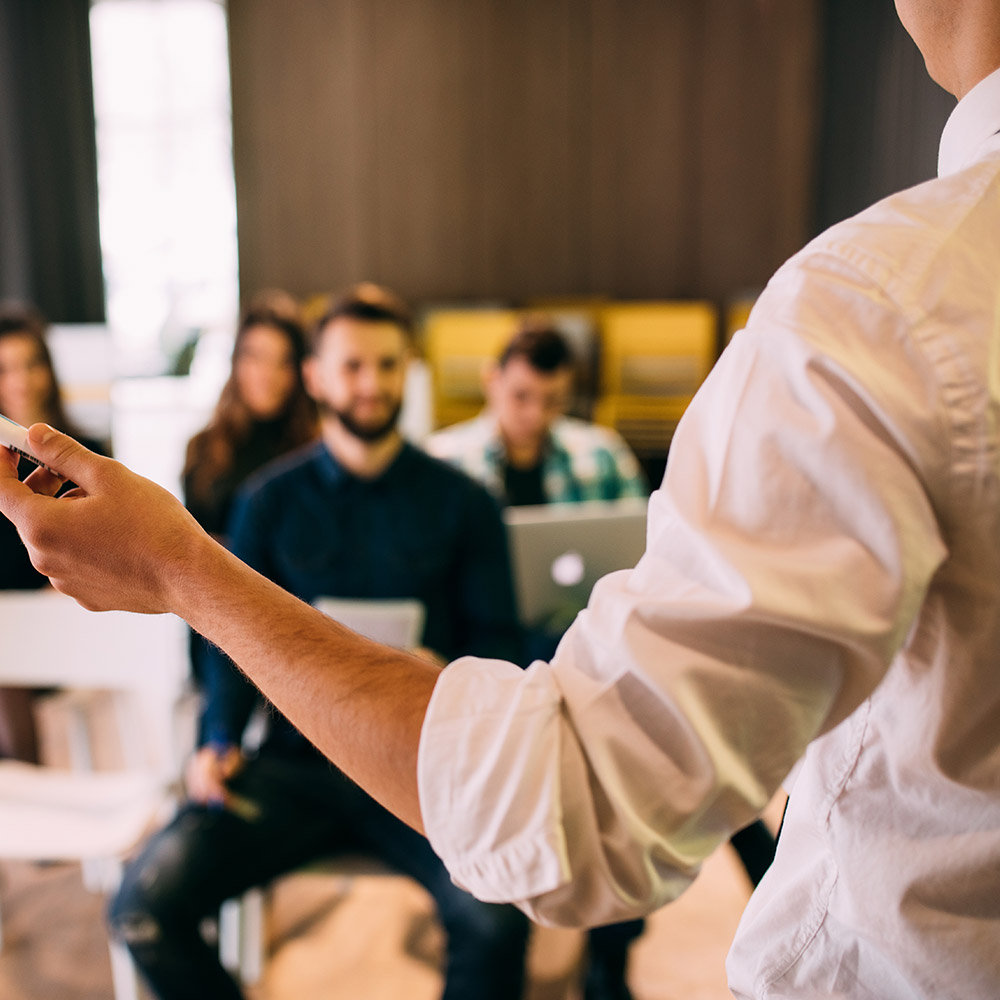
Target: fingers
x,y
204,784
12,491
65,456
208,771
231,762
8,463
44,482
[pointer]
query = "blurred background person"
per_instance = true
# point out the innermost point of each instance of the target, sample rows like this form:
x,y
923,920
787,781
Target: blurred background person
x,y
523,447
263,412
263,409
29,393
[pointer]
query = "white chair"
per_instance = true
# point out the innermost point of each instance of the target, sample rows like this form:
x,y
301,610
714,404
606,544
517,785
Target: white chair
x,y
93,817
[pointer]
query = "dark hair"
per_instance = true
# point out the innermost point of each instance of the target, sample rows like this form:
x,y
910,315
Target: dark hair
x,y
212,452
18,320
369,303
539,343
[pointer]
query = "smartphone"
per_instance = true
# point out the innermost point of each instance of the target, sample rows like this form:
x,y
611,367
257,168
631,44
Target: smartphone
x,y
15,437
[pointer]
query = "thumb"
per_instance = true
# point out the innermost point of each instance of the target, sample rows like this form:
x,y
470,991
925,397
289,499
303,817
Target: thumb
x,y
62,455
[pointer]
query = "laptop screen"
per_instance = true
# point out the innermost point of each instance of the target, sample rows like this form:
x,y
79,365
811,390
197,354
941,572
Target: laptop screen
x,y
559,551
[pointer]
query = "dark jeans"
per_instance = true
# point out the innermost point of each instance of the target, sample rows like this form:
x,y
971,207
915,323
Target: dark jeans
x,y
755,844
301,811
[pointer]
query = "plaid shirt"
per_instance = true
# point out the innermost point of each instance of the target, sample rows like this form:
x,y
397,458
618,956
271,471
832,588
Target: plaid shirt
x,y
581,462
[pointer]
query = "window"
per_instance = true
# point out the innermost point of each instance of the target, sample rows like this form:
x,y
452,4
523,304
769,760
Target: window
x,y
165,176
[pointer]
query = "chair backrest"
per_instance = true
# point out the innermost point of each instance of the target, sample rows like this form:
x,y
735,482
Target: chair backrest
x,y
398,623
657,349
654,356
49,640
152,420
84,359
457,343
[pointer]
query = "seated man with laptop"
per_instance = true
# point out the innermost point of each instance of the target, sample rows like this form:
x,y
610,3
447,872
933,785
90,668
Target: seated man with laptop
x,y
360,515
528,453
523,447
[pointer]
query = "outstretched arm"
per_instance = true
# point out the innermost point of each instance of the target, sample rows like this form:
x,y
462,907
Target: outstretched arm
x,y
119,541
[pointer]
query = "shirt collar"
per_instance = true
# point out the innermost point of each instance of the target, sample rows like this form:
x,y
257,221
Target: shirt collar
x,y
490,430
494,448
334,474
974,120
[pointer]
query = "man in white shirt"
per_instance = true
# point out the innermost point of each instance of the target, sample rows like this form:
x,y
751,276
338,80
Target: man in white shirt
x,y
822,579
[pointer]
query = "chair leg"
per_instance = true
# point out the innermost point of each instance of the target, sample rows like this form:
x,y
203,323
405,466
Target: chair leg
x,y
124,978
105,875
241,936
230,918
252,943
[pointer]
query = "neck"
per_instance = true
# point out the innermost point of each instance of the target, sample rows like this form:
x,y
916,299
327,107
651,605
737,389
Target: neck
x,y
523,456
974,50
974,74
364,459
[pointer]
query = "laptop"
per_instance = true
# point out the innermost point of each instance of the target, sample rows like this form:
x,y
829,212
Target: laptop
x,y
559,551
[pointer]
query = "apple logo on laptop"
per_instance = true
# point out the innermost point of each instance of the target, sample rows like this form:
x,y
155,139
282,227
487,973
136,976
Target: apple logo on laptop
x,y
568,569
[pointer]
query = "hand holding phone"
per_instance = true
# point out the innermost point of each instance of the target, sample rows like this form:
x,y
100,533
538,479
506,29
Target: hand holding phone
x,y
15,437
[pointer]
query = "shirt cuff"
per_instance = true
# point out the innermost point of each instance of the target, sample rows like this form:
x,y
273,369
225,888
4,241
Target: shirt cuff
x,y
488,779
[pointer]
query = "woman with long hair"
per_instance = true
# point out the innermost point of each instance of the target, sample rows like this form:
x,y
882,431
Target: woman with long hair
x,y
263,412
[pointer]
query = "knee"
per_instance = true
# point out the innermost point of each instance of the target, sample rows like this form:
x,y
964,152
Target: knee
x,y
136,928
152,893
134,912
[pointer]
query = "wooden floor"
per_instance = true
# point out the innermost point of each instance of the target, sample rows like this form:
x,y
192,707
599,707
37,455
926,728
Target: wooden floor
x,y
377,939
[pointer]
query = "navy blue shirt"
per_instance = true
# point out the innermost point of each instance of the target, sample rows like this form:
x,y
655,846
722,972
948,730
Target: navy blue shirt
x,y
421,529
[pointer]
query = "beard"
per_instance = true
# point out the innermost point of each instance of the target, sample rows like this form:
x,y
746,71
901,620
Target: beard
x,y
370,433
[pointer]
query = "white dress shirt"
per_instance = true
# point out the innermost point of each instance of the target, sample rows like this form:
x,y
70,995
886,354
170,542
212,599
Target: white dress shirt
x,y
822,577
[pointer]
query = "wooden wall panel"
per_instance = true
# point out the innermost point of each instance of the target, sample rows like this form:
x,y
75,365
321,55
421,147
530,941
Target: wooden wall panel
x,y
757,84
530,168
511,148
644,146
429,134
299,137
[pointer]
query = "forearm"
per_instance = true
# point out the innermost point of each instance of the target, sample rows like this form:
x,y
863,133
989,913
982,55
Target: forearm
x,y
120,541
360,703
229,698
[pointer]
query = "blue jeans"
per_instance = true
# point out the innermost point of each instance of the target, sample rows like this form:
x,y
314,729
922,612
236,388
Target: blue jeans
x,y
302,811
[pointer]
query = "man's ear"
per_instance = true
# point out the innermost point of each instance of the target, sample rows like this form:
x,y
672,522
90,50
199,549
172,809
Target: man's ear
x,y
489,376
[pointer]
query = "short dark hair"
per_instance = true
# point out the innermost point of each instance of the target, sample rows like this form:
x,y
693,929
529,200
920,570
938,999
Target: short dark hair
x,y
539,343
369,303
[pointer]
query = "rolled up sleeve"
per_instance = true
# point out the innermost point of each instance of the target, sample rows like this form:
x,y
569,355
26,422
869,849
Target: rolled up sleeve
x,y
786,560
